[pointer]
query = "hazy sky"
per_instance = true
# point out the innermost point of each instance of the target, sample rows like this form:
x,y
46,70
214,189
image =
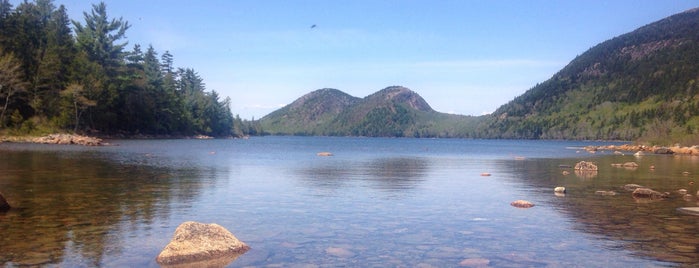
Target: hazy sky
x,y
465,57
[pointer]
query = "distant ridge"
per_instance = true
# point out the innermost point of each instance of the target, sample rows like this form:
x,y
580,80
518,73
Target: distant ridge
x,y
391,112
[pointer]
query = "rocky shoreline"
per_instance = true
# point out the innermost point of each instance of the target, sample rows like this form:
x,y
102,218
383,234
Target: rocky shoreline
x,y
57,139
641,149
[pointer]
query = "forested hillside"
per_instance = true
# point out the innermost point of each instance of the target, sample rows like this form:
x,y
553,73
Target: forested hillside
x,y
81,75
640,85
391,112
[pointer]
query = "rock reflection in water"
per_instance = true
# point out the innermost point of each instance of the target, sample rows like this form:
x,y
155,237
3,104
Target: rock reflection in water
x,y
653,230
67,205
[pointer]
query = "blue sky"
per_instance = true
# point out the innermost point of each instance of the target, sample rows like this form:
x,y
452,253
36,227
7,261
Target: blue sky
x,y
464,57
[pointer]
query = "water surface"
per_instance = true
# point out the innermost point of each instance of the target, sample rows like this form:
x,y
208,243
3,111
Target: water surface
x,y
376,202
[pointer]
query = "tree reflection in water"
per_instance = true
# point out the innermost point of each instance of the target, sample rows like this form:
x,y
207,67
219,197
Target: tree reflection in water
x,y
67,205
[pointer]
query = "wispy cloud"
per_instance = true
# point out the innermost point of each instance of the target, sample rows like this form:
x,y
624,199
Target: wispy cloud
x,y
488,63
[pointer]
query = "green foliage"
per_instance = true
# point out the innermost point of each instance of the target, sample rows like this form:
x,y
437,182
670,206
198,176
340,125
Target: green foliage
x,y
640,85
52,80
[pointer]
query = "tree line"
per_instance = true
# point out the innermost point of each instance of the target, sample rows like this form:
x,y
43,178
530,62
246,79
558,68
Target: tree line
x,y
58,74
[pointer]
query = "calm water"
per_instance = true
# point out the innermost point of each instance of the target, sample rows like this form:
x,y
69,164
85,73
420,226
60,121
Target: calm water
x,y
375,203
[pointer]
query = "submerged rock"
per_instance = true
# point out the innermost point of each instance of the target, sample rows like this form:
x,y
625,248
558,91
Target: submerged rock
x,y
630,165
522,204
600,192
647,193
201,243
475,262
4,206
631,187
585,166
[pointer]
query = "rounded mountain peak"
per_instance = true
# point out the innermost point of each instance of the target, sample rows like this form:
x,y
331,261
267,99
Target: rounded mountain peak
x,y
403,95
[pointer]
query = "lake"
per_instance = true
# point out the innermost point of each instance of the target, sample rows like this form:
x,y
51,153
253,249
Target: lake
x,y
377,202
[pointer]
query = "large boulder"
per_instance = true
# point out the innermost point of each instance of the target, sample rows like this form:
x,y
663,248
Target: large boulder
x,y
4,206
647,193
200,243
585,166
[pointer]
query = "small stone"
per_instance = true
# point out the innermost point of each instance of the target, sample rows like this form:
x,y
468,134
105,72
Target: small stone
x,y
565,172
485,174
324,154
559,189
682,191
522,204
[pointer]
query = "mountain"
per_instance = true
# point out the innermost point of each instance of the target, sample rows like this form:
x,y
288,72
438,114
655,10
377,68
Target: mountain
x,y
391,112
640,85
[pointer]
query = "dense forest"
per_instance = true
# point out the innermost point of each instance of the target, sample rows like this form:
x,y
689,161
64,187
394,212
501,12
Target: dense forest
x,y
59,75
637,86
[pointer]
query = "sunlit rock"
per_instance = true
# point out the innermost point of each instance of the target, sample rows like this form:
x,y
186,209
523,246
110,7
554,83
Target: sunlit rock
x,y
68,139
4,205
522,204
199,243
689,210
639,153
585,166
682,191
560,190
647,193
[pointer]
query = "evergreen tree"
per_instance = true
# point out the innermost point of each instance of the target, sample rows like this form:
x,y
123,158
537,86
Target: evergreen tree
x,y
11,83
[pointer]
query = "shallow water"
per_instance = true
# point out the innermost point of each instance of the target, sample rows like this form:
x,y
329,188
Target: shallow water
x,y
374,203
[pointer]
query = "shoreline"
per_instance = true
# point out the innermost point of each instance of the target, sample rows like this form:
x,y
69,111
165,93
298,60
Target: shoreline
x,y
641,149
58,138
75,139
